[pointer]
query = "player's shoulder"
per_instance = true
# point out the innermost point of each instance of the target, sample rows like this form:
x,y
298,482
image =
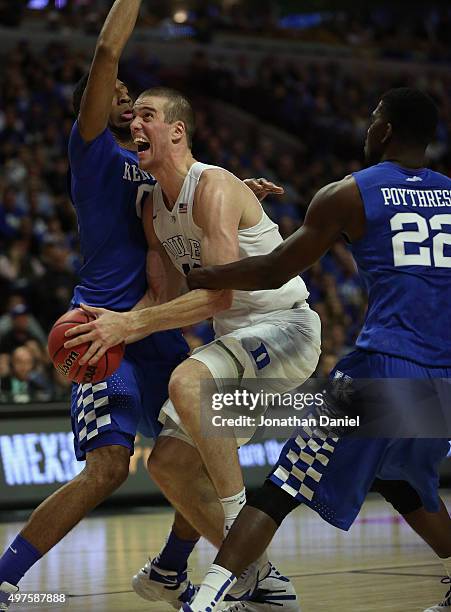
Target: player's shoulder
x,y
103,144
439,177
215,176
76,134
343,188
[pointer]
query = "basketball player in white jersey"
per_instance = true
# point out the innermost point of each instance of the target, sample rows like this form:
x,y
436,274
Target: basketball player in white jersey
x,y
202,215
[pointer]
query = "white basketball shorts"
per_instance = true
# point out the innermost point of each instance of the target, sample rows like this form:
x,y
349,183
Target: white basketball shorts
x,y
284,347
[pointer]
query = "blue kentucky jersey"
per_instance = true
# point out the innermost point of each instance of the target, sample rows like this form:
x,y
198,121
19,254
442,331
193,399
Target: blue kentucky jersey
x,y
405,261
107,189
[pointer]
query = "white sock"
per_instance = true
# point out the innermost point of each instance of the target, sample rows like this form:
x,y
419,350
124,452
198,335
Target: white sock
x,y
213,589
447,565
232,507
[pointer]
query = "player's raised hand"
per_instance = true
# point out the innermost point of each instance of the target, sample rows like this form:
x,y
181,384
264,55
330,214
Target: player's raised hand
x,y
106,330
262,187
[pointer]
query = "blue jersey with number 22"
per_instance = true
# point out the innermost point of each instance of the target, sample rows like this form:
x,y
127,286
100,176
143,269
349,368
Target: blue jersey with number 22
x,y
405,261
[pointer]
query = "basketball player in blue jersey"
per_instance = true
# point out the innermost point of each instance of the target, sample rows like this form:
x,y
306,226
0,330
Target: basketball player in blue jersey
x,y
107,189
395,216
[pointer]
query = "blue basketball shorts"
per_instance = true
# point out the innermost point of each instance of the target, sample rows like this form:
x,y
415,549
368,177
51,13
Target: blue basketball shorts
x,y
333,475
112,411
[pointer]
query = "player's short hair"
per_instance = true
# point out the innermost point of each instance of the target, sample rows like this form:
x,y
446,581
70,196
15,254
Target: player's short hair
x,y
177,108
78,93
412,114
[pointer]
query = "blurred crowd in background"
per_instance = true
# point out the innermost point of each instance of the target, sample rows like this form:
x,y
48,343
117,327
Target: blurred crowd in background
x,y
325,107
389,29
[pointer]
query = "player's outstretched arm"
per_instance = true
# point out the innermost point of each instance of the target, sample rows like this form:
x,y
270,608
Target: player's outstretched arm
x,y
111,328
335,209
96,103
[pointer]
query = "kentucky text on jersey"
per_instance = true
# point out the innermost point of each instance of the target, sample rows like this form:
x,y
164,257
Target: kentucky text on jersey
x,y
421,198
108,190
133,173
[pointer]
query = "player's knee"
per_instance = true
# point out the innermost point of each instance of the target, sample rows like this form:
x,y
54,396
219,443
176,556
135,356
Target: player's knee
x,y
400,494
161,466
273,501
111,477
173,461
108,466
184,387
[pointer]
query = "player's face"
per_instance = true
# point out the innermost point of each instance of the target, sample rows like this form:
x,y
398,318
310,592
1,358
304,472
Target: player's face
x,y
150,132
377,136
121,108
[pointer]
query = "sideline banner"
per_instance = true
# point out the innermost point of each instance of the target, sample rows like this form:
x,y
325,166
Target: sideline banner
x,y
37,457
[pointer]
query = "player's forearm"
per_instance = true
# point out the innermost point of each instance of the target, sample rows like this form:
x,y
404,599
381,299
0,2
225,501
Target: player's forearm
x,y
290,258
118,27
145,302
249,274
188,309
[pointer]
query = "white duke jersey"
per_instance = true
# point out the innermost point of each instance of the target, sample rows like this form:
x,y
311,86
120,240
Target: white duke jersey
x,y
181,238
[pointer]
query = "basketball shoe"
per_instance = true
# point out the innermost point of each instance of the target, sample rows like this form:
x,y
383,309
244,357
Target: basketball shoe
x,y
156,584
6,590
259,590
262,588
445,605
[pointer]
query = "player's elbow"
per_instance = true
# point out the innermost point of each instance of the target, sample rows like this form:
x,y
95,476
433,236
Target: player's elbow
x,y
106,51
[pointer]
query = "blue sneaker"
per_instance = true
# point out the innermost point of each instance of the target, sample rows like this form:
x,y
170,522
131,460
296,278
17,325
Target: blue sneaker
x,y
156,584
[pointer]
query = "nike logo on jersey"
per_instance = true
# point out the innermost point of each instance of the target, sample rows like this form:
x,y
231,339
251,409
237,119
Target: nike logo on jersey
x,y
13,550
414,179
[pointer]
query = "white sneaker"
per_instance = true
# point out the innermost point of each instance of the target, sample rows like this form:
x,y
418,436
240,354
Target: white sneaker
x,y
445,605
247,582
6,590
271,591
156,584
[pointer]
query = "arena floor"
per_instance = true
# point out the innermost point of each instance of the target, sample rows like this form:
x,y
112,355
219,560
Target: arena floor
x,y
379,565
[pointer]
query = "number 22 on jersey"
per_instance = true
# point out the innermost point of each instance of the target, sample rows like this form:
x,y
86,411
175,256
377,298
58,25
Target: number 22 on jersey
x,y
426,256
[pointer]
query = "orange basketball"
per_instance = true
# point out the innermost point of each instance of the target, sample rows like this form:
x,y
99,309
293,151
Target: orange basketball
x,y
66,360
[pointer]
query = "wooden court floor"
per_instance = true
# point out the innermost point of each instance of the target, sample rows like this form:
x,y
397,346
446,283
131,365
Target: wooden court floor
x,y
379,565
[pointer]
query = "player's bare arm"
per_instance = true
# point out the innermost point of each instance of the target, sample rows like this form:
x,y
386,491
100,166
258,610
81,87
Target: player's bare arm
x,y
219,203
111,328
96,103
165,282
335,210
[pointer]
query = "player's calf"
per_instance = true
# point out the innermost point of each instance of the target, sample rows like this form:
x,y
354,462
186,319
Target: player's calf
x,y
106,469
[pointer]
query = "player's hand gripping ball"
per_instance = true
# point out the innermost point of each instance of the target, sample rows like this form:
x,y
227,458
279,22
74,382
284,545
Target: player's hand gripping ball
x,y
66,361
